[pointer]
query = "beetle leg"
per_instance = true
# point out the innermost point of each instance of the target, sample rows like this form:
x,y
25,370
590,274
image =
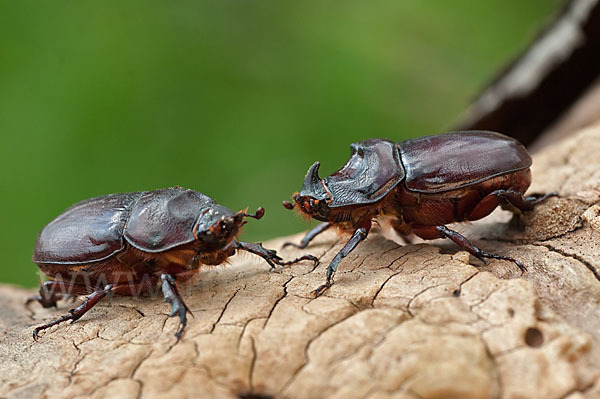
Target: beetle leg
x,y
512,197
270,256
359,235
523,203
178,307
321,227
48,295
432,232
75,314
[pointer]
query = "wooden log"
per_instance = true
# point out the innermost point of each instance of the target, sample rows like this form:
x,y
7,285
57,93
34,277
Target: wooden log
x,y
402,321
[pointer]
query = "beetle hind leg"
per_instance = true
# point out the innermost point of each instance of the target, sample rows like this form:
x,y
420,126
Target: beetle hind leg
x,y
178,307
527,203
507,197
75,314
433,232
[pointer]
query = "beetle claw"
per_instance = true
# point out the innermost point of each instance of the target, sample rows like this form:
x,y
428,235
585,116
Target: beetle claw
x,y
178,307
319,291
521,266
269,255
312,258
483,259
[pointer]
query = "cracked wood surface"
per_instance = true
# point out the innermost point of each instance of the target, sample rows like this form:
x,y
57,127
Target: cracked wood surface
x,y
402,321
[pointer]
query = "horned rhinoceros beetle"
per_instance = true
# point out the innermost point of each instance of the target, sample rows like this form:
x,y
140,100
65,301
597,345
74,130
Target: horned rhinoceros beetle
x,y
419,186
124,244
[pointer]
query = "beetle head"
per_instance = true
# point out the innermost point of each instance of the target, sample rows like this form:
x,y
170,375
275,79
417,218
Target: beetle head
x,y
373,170
217,225
314,198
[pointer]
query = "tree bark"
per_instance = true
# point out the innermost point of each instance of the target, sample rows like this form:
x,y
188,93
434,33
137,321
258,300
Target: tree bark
x,y
420,320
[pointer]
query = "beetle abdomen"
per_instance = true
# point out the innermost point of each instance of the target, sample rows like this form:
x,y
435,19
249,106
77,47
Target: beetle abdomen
x,y
90,230
460,159
434,209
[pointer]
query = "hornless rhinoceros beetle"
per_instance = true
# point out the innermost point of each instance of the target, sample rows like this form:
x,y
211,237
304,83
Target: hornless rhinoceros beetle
x,y
417,186
124,244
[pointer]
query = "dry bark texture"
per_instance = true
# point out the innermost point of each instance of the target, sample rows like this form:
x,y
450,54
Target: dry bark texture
x,y
402,321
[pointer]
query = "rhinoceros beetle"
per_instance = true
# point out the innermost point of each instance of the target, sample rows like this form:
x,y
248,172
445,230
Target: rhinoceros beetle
x,y
125,244
417,186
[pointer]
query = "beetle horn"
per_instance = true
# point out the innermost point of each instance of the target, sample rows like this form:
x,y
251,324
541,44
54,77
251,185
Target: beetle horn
x,y
312,181
313,184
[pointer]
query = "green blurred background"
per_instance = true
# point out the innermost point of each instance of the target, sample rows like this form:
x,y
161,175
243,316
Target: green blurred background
x,y
235,99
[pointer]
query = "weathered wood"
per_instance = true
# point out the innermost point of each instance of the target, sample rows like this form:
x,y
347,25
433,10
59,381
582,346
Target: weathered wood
x,y
402,321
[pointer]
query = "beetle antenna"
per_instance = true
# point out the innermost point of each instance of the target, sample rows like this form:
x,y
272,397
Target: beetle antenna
x,y
288,205
260,212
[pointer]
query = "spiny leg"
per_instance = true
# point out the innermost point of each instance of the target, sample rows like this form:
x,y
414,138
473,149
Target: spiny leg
x,y
178,307
270,256
321,227
432,232
358,235
74,314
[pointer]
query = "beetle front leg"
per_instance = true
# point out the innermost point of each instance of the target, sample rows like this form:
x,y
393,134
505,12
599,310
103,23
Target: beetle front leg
x,y
310,236
75,314
270,256
359,235
178,307
433,232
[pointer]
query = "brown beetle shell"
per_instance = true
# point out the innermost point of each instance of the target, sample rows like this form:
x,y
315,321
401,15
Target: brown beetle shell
x,y
457,160
436,171
428,165
151,221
